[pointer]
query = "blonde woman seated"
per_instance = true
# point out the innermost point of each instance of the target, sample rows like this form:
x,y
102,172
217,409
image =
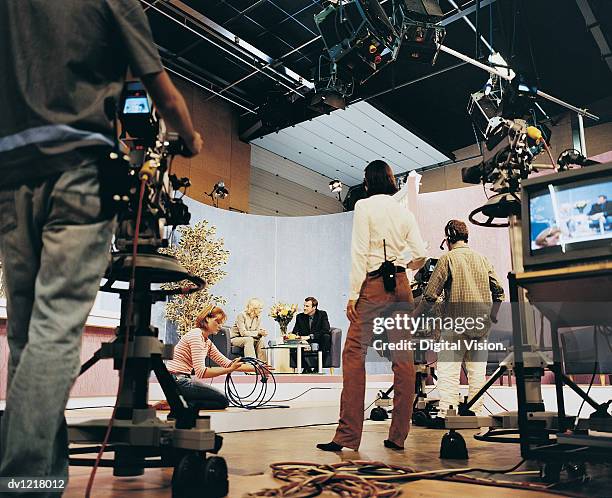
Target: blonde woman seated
x,y
247,332
190,354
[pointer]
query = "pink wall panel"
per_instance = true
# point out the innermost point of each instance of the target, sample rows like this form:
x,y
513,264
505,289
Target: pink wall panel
x,y
433,211
100,380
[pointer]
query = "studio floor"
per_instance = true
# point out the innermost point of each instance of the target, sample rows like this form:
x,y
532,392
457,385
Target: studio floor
x,y
254,439
249,454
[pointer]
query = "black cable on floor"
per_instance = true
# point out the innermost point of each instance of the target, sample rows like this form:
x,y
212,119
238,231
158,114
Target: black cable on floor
x,y
367,407
595,365
302,394
263,379
452,473
89,407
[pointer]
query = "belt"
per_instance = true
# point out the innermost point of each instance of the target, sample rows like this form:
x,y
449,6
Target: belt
x,y
180,374
376,273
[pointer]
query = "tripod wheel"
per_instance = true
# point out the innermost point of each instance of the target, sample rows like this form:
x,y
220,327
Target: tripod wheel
x,y
576,470
420,418
551,472
378,414
215,477
194,476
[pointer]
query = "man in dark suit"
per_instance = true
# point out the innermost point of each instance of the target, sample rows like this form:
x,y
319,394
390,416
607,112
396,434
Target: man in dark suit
x,y
603,206
313,324
600,215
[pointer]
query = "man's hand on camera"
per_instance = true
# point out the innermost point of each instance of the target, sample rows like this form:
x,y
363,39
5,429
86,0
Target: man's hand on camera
x,y
194,144
416,264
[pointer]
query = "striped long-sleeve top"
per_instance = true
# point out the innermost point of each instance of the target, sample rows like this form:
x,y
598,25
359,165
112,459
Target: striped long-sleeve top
x,y
190,353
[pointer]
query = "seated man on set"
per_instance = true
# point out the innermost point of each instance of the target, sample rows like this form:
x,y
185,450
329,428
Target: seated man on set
x,y
314,325
601,212
471,288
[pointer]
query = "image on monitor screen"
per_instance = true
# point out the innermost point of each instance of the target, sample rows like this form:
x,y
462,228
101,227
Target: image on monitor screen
x,y
566,216
136,105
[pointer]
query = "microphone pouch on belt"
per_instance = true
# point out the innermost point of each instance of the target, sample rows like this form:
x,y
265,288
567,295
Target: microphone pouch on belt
x,y
387,271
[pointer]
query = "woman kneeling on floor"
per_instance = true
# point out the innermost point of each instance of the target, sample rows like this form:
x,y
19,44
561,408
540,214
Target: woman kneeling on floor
x,y
188,366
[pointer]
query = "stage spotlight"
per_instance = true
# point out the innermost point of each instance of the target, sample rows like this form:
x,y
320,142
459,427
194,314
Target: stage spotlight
x,y
361,38
219,191
336,187
327,100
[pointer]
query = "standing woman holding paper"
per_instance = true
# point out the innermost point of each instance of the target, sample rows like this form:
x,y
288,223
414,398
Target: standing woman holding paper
x,y
383,231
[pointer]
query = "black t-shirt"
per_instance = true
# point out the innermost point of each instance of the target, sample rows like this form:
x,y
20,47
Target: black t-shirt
x,y
60,60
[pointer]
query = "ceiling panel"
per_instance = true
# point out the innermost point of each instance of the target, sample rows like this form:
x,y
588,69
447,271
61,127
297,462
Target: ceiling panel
x,y
356,154
358,131
305,149
341,144
310,135
391,131
287,147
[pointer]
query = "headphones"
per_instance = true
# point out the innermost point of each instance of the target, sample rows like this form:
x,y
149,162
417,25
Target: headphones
x,y
451,233
452,236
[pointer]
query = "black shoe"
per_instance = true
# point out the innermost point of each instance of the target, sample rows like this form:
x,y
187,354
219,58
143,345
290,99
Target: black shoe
x,y
464,412
436,423
329,446
391,445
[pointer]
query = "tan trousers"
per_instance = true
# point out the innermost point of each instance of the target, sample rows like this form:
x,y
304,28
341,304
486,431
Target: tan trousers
x,y
253,346
374,301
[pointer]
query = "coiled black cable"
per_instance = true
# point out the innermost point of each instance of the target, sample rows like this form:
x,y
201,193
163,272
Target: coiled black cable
x,y
263,379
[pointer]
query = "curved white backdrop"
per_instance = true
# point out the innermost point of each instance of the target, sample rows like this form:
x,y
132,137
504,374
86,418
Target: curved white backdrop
x,y
289,258
282,259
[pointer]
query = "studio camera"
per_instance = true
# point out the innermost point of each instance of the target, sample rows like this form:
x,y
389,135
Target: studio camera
x,y
142,161
511,139
422,277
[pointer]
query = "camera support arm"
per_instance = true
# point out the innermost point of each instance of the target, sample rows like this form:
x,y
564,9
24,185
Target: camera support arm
x,y
504,75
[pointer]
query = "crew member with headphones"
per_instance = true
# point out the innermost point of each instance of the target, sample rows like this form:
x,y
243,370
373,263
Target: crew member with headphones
x,y
470,289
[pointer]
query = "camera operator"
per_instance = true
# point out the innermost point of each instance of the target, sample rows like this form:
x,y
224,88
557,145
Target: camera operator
x,y
471,288
61,64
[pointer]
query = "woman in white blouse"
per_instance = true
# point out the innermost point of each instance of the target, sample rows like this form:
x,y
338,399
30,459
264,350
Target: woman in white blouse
x,y
380,223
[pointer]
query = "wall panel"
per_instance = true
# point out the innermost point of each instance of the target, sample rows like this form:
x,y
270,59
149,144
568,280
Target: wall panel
x,y
223,157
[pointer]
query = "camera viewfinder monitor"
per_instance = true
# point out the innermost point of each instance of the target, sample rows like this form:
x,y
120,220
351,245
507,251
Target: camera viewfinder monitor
x,y
567,217
136,105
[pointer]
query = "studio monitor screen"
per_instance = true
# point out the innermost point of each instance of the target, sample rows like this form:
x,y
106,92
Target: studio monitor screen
x,y
568,216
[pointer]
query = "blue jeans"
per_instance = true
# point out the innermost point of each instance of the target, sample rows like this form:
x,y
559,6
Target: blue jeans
x,y
54,245
197,393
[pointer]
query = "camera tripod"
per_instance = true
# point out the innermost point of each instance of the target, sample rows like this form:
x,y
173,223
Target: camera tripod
x,y
138,438
423,410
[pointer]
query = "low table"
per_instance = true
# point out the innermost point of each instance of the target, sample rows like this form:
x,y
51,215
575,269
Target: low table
x,y
272,360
